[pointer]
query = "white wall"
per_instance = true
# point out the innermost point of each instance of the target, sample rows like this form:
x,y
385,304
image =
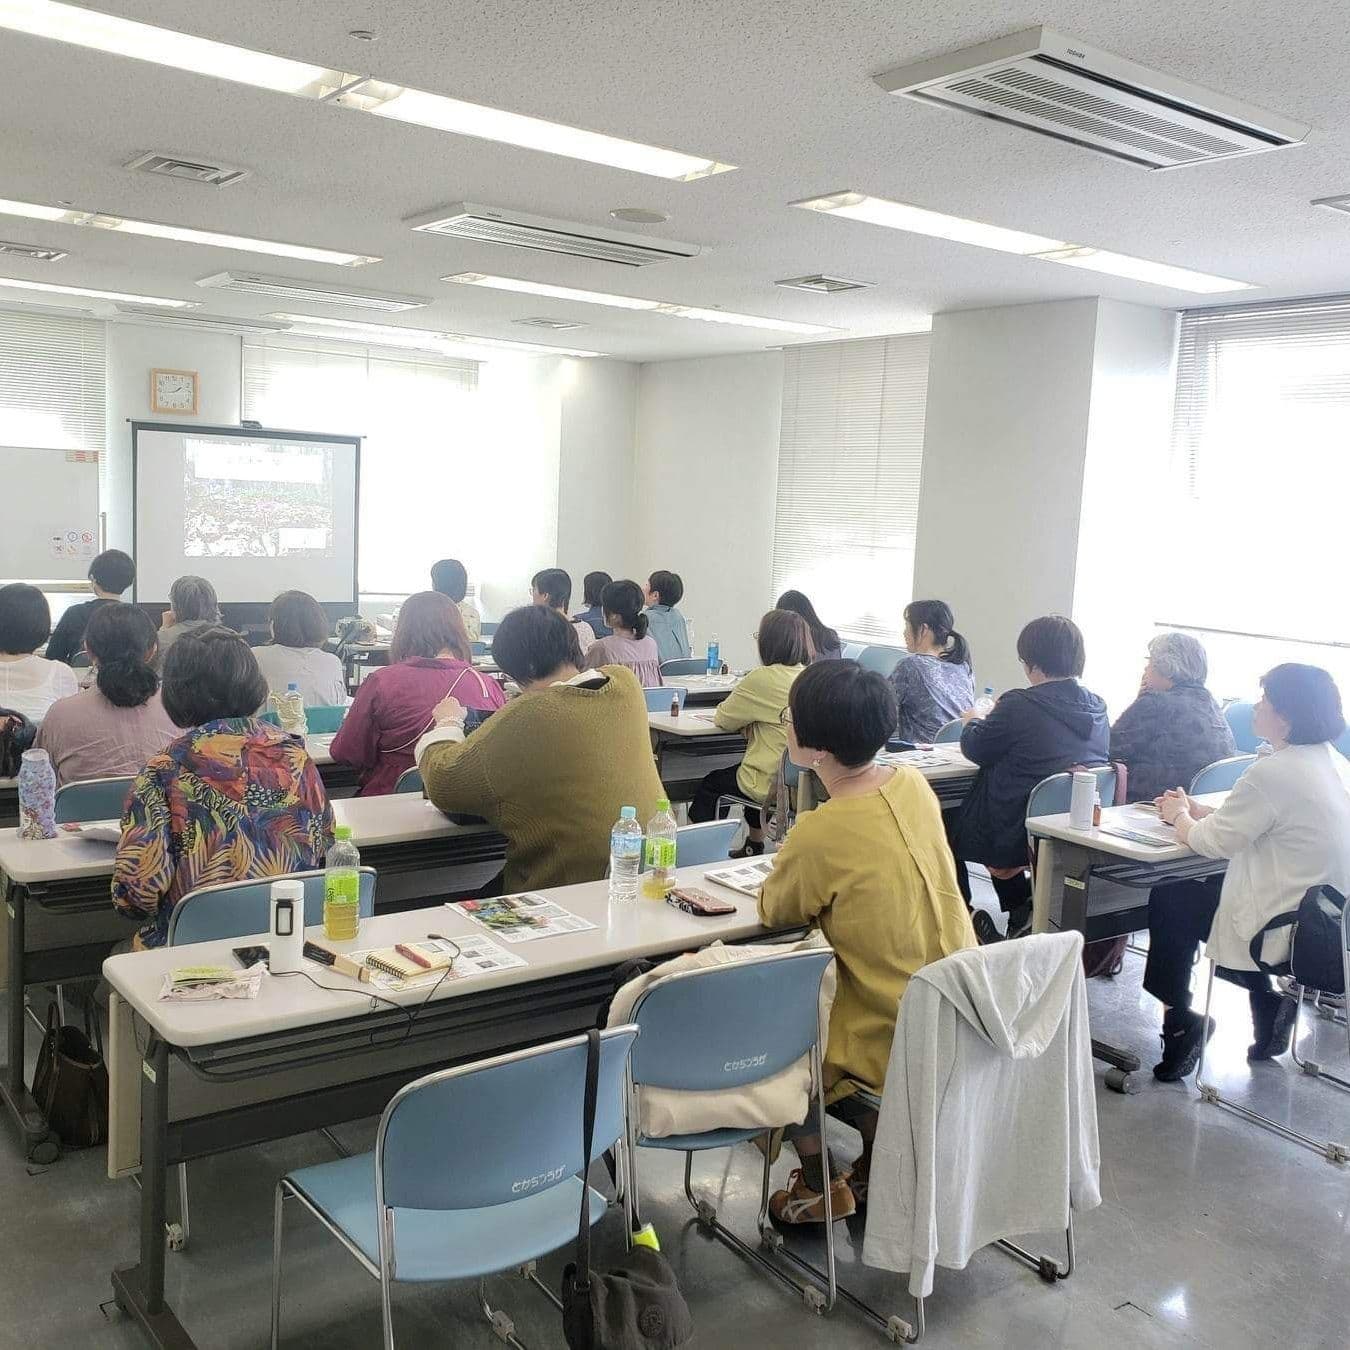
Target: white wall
x,y
707,469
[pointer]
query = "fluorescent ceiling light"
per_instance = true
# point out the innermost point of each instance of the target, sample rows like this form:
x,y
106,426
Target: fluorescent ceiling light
x,y
164,47
630,302
102,221
24,285
918,220
425,338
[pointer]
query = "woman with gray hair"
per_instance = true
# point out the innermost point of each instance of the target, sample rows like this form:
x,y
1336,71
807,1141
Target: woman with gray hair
x,y
1174,728
192,604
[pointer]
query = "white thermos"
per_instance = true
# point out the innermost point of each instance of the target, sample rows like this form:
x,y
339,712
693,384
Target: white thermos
x,y
286,940
1080,800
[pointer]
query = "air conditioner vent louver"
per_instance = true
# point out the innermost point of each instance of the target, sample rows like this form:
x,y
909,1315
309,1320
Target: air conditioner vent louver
x,y
495,225
1057,87
555,325
35,252
314,292
193,170
212,323
822,284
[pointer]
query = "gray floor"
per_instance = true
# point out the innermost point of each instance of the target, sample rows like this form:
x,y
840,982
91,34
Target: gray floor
x,y
1212,1232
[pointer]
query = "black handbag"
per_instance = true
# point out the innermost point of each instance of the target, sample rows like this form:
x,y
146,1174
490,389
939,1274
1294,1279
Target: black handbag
x,y
1315,959
70,1085
638,1304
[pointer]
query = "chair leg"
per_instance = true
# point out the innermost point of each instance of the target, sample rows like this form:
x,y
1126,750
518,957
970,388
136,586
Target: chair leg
x,y
1046,1267
277,1209
337,1145
502,1325
1311,1066
178,1233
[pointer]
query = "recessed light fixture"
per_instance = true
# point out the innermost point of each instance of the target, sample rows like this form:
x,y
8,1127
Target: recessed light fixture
x,y
919,220
424,338
100,220
201,56
638,215
22,284
632,302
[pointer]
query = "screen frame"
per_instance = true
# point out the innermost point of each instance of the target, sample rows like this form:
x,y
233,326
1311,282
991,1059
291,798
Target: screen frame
x,y
249,614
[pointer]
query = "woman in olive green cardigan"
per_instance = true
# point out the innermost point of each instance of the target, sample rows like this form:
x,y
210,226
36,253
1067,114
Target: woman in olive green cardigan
x,y
551,769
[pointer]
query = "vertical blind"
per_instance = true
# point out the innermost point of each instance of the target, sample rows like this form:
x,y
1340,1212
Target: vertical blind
x,y
1261,471
850,452
418,417
53,373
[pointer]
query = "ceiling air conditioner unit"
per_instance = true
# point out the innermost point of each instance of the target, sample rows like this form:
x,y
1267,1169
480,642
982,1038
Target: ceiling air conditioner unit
x,y
494,225
1047,83
316,292
209,323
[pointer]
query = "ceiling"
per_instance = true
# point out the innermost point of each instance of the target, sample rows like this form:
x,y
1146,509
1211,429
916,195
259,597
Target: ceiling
x,y
780,88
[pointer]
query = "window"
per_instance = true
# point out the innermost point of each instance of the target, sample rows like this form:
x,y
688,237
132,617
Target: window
x,y
52,379
1261,477
849,456
419,416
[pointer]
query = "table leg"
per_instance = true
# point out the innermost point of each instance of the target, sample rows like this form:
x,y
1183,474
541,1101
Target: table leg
x,y
39,1144
139,1289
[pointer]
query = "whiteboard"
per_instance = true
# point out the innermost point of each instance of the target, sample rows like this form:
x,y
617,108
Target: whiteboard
x,y
51,529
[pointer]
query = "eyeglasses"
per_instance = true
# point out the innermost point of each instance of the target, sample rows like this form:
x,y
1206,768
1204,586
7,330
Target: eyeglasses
x,y
785,717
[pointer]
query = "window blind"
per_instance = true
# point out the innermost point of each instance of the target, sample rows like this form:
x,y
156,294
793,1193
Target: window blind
x,y
850,453
53,376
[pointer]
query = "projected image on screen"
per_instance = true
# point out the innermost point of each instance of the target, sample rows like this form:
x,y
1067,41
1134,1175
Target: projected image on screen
x,y
251,499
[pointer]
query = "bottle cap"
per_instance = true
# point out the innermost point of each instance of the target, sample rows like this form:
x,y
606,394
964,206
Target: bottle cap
x,y
628,813
289,890
342,832
663,804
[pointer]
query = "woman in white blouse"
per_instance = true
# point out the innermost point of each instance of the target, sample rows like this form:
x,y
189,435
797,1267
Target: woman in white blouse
x,y
296,654
29,684
1284,828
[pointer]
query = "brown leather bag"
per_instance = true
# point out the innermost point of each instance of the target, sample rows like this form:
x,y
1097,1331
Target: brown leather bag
x,y
71,1083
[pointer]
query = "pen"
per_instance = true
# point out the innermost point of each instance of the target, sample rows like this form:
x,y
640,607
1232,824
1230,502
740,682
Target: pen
x,y
412,955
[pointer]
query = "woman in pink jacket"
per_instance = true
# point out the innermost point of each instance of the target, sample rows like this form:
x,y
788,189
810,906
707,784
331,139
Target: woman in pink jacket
x,y
429,659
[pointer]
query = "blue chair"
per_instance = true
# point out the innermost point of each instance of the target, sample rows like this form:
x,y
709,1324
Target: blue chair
x,y
474,1171
243,908
1221,775
881,659
1050,797
478,648
487,629
950,733
658,700
685,665
410,780
321,721
94,799
725,1027
701,845
1239,719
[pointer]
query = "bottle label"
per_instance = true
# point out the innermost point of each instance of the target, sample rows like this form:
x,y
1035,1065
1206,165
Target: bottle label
x,y
342,887
626,845
660,854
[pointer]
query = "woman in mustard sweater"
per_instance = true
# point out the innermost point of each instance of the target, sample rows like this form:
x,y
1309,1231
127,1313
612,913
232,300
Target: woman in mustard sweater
x,y
756,707
551,769
871,869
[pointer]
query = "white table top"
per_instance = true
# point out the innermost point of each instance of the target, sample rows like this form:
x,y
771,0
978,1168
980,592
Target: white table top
x,y
320,748
937,763
703,684
1134,817
691,722
398,818
285,1003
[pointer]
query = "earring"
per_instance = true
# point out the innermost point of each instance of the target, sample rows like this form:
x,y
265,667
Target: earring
x,y
815,763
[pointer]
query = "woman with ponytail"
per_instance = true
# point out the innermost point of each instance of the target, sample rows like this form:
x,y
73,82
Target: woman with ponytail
x,y
112,728
933,684
628,644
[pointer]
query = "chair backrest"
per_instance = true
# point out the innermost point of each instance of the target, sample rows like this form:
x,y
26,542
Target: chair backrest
x,y
1239,719
658,700
881,659
500,1130
478,648
685,665
851,651
1050,797
241,908
410,780
698,845
725,1026
94,799
1221,775
321,720
487,629
949,733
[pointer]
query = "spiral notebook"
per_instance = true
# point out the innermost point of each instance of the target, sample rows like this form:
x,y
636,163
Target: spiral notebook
x,y
391,961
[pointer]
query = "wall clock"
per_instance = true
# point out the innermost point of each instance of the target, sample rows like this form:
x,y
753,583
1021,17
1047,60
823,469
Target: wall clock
x,y
174,391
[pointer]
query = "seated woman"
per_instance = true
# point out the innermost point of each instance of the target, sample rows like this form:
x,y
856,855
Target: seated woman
x,y
628,643
825,643
192,605
29,684
592,588
553,768
450,578
1285,827
756,706
429,659
296,655
1174,728
230,799
933,684
1032,733
552,588
663,591
113,728
872,870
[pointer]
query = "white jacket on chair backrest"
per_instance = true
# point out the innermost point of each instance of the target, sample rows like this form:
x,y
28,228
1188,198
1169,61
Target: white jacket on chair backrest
x,y
989,1120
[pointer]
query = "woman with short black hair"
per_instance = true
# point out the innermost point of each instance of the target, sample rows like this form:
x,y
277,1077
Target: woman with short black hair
x,y
552,588
933,684
1284,828
230,799
663,591
629,644
29,684
296,655
450,577
110,574
871,869
592,588
825,643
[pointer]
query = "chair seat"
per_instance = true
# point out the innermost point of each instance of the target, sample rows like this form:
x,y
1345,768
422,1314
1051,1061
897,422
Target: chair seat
x,y
697,1143
435,1244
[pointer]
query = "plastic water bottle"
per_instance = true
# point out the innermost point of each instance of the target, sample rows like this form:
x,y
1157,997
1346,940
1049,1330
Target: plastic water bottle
x,y
342,888
659,878
37,796
625,855
984,705
714,655
291,710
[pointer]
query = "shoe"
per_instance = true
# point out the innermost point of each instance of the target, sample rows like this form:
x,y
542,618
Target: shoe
x,y
986,930
1184,1034
752,848
1019,921
857,1177
1273,1016
799,1204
